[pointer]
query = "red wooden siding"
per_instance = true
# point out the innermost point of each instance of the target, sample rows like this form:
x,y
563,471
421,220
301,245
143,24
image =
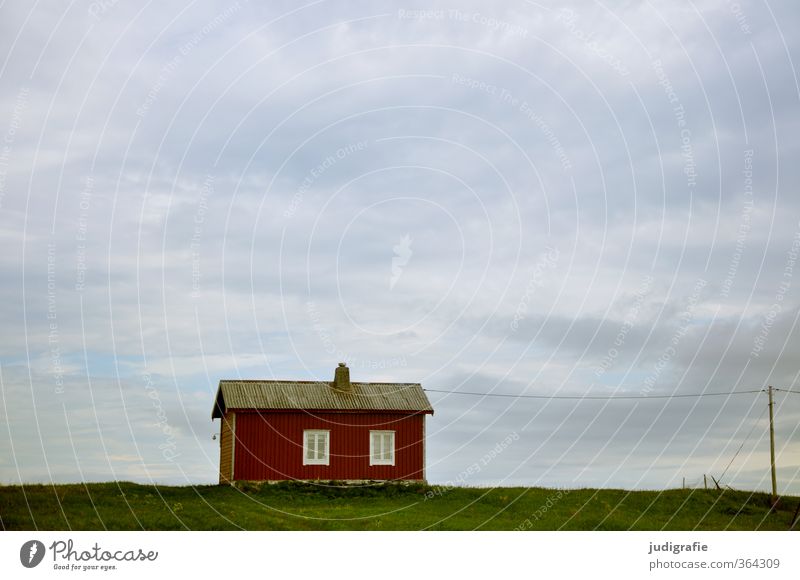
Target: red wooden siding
x,y
269,445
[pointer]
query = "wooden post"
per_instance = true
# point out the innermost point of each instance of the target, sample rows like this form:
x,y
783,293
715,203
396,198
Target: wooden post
x,y
705,482
772,448
684,483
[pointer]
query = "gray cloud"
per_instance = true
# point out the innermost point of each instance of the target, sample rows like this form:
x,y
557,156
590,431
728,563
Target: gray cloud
x,y
219,192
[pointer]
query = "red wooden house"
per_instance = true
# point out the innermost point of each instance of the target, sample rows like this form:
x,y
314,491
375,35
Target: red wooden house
x,y
318,430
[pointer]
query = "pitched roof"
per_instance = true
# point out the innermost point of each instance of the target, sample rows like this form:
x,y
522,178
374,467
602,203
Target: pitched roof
x,y
319,396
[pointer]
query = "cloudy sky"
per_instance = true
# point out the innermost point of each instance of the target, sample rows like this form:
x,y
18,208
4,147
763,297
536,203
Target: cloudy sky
x,y
535,198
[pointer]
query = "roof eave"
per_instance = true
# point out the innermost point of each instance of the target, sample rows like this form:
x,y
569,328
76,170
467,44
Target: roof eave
x,y
338,411
218,411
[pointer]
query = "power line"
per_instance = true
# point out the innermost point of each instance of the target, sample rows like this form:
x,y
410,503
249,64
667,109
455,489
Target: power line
x,y
755,423
788,391
597,397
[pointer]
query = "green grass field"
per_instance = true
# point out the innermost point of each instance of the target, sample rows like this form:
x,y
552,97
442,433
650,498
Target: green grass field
x,y
292,506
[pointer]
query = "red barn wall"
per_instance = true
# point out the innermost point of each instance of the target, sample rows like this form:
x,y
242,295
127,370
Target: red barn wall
x,y
269,445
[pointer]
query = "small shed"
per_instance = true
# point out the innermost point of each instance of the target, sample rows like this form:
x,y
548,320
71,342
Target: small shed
x,y
318,430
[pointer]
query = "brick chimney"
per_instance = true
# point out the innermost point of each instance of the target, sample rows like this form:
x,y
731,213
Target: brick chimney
x,y
341,378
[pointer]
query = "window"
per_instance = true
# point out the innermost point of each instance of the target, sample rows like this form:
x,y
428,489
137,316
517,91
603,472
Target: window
x,y
381,447
315,447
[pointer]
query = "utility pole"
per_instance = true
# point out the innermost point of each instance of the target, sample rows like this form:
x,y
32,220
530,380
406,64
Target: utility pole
x,y
772,448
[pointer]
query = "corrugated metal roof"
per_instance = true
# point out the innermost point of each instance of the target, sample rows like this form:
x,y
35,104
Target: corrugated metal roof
x,y
319,395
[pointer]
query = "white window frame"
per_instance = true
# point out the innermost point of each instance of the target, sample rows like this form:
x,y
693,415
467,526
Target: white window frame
x,y
374,460
327,439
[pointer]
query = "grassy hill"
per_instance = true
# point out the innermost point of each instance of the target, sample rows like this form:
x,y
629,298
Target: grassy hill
x,y
293,506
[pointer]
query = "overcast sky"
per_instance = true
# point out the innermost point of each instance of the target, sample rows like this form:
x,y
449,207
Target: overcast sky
x,y
533,198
